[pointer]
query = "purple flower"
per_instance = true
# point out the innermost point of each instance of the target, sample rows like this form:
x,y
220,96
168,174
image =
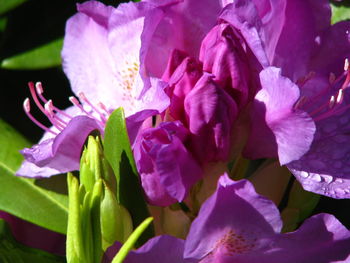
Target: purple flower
x,y
305,125
277,127
237,225
101,60
166,167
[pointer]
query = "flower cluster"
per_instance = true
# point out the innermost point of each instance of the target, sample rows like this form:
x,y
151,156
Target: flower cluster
x,y
202,83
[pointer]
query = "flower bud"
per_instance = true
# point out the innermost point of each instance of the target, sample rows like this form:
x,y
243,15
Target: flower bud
x,y
164,180
182,80
211,113
223,54
84,231
116,222
93,165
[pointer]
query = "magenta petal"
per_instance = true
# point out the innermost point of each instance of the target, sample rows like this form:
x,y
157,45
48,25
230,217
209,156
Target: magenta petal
x,y
173,27
164,180
237,225
272,15
234,212
138,120
165,249
210,112
223,55
332,50
60,154
325,168
35,236
181,82
291,130
243,15
87,60
154,98
320,239
303,20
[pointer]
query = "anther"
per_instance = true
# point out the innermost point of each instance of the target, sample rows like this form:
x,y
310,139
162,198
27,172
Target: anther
x,y
340,96
103,107
346,65
49,108
82,97
26,107
331,102
39,88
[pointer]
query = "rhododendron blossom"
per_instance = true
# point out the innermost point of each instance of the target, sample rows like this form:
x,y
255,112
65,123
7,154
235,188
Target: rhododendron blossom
x,y
237,225
101,83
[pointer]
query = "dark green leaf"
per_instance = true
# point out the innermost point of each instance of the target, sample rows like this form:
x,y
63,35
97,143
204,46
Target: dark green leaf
x,y
46,56
119,154
11,251
21,196
7,5
3,23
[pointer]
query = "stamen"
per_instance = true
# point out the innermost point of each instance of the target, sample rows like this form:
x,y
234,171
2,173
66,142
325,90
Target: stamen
x,y
334,105
26,107
346,65
300,102
40,91
340,96
51,107
51,112
83,98
76,103
34,96
331,102
103,107
52,117
306,78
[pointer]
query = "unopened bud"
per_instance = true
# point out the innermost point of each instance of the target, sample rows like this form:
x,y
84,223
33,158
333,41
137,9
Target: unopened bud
x,y
116,222
93,165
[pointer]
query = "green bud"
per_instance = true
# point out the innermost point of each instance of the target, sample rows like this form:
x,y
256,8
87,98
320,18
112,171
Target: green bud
x,y
74,246
95,201
94,166
116,223
84,241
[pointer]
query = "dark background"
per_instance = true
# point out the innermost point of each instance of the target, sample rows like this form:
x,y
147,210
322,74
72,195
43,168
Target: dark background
x,y
37,22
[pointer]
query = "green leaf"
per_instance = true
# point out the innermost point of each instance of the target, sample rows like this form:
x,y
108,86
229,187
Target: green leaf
x,y
3,23
300,205
45,56
11,251
7,5
21,196
119,154
339,13
132,240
